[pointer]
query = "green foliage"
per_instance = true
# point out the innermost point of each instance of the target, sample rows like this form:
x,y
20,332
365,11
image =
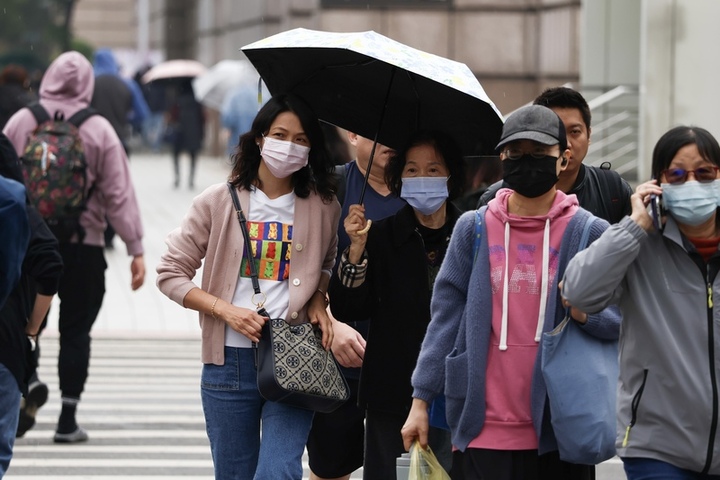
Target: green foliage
x,y
34,31
84,47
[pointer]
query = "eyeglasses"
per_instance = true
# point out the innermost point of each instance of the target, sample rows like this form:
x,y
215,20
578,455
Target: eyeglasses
x,y
680,175
517,153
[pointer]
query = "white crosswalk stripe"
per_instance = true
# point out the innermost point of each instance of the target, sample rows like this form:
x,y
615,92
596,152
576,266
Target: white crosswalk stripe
x,y
141,409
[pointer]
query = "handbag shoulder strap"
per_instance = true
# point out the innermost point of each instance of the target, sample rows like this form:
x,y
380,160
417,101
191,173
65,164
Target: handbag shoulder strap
x,y
477,239
246,239
584,237
586,232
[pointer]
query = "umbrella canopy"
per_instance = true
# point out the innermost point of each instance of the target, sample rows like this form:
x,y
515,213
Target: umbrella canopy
x,y
377,87
174,69
213,86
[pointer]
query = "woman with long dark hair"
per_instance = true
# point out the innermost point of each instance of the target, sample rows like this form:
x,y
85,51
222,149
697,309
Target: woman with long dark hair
x,y
284,182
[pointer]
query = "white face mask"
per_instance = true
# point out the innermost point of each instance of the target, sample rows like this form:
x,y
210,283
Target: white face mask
x,y
283,158
425,194
692,202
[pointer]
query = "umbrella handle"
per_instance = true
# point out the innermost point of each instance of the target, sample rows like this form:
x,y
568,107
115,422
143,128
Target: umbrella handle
x,y
375,140
368,224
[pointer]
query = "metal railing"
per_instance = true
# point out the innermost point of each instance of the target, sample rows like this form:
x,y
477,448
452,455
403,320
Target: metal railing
x,y
614,136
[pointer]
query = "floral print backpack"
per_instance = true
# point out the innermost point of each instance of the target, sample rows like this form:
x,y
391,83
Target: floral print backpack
x,y
54,170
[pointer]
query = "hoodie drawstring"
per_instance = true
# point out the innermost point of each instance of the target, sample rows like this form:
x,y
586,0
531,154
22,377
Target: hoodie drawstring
x,y
503,328
544,285
544,282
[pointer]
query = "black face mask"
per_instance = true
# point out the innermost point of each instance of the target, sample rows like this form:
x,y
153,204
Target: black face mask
x,y
530,176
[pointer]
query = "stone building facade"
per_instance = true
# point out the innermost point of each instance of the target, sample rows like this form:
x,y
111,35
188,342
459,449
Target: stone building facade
x,y
515,47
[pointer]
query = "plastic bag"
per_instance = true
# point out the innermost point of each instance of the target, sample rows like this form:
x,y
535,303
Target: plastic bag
x,y
424,464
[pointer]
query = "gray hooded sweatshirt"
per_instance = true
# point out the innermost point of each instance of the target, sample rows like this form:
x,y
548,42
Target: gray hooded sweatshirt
x,y
670,302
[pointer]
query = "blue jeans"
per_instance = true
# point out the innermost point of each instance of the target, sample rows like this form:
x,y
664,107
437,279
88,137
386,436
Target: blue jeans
x,y
236,417
9,412
651,469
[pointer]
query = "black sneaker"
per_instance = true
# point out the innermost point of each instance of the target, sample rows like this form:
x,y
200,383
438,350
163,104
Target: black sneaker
x,y
37,397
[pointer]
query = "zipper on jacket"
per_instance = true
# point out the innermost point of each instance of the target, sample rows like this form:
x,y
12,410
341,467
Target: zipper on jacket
x,y
710,295
634,408
711,272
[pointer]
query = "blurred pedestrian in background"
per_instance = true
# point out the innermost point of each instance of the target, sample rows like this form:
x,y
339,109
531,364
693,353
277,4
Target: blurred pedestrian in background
x,y
67,88
238,111
14,91
155,96
120,101
661,269
116,98
283,177
386,275
186,119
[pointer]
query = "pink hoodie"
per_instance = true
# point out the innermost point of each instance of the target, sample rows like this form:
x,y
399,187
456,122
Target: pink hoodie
x,y
67,87
521,283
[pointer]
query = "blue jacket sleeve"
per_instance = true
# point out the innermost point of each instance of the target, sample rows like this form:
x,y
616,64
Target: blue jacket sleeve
x,y
14,235
140,109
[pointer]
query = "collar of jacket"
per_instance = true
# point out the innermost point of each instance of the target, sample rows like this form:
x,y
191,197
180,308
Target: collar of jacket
x,y
579,180
672,232
404,222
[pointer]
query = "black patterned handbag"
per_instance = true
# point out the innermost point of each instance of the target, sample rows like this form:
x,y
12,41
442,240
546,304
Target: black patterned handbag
x,y
292,365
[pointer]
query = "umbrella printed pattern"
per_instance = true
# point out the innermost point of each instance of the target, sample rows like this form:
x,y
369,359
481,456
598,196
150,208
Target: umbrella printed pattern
x,y
371,84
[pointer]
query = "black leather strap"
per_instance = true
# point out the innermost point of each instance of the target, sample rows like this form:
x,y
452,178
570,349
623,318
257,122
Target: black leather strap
x,y
246,238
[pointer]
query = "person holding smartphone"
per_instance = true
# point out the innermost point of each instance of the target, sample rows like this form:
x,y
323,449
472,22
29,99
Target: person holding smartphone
x,y
665,282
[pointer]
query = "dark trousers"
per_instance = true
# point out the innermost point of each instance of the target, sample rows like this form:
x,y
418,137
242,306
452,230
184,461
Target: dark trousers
x,y
176,166
81,292
482,464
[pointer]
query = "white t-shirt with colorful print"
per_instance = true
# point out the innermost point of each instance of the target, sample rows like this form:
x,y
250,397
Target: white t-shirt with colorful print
x,y
270,226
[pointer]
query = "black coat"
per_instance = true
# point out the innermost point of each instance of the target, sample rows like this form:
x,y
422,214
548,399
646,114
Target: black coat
x,y
396,298
41,272
188,118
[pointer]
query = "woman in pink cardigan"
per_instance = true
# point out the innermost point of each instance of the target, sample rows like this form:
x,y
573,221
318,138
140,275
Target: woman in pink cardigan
x,y
284,179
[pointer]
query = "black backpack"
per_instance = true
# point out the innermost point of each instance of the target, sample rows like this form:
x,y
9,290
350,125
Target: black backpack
x,y
610,183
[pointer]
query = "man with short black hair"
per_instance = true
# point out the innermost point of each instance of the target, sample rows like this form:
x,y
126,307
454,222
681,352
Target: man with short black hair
x,y
602,192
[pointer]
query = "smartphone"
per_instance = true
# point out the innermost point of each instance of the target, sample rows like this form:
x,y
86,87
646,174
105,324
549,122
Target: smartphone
x,y
657,211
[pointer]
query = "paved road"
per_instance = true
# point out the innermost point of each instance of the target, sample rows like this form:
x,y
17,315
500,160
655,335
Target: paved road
x,y
142,412
141,406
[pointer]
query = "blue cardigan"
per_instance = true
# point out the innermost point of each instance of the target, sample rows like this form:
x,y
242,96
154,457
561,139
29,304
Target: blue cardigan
x,y
459,331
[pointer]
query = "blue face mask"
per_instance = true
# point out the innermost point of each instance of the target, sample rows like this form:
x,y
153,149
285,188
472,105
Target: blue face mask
x,y
692,202
425,194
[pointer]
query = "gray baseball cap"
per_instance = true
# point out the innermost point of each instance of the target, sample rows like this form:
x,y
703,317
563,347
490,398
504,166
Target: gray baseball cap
x,y
534,122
